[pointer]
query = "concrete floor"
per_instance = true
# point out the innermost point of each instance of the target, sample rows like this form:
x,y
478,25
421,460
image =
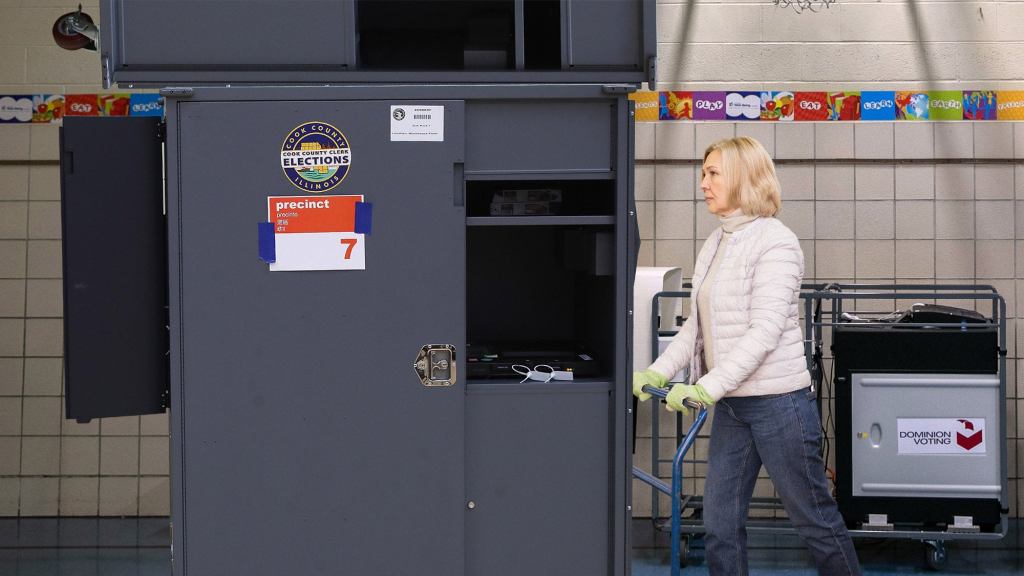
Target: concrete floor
x,y
139,547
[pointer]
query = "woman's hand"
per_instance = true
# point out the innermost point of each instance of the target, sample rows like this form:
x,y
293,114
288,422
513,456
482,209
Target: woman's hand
x,y
680,392
647,378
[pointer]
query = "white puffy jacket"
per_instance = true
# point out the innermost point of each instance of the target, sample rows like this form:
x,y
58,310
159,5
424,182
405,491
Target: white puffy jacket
x,y
758,344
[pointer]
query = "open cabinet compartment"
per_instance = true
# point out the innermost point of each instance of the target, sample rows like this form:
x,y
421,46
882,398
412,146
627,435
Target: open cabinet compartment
x,y
455,35
540,295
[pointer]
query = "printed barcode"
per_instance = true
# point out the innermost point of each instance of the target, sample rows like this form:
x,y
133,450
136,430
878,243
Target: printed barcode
x,y
421,116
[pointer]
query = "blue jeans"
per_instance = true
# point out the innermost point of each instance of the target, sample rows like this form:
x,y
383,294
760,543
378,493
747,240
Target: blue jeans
x,y
781,431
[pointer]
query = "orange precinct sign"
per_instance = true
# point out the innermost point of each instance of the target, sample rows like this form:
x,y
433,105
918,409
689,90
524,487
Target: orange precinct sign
x,y
316,233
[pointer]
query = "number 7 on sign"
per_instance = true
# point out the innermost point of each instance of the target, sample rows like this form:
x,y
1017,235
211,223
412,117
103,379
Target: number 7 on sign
x,y
350,243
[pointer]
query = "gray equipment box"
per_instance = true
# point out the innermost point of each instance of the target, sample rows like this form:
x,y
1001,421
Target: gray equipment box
x,y
919,424
904,447
303,441
182,42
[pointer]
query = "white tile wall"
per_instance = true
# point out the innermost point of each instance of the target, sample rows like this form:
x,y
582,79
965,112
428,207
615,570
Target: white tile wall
x,y
797,182
674,140
954,182
915,259
643,182
13,182
875,259
12,298
833,140
994,219
993,182
875,220
12,372
915,219
873,140
915,140
674,182
834,220
954,140
993,259
834,259
794,140
875,182
954,219
993,139
833,182
954,259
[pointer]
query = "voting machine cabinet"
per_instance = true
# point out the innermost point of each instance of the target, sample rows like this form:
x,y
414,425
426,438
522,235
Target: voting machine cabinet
x,y
920,414
365,238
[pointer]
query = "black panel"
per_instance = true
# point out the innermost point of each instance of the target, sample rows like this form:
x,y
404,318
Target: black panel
x,y
115,267
907,350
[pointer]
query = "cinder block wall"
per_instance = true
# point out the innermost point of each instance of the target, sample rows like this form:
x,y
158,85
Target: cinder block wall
x,y
853,44
50,466
872,202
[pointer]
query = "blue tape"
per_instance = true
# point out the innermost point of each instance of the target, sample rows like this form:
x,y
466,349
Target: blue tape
x,y
268,248
364,217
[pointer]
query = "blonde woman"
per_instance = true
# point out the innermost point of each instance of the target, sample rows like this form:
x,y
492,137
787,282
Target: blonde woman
x,y
744,348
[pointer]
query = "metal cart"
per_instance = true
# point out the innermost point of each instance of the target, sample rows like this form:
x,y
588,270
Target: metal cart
x,y
826,310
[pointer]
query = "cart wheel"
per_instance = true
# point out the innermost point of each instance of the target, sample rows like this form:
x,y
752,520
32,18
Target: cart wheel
x,y
935,554
684,550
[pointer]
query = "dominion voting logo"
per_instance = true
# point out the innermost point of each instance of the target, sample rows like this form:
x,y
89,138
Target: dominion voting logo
x,y
315,157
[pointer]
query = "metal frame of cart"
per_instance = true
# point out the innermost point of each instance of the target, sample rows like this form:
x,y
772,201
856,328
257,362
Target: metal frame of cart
x,y
812,296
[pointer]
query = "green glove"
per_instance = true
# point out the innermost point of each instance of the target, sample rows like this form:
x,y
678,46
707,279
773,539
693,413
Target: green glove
x,y
647,378
681,392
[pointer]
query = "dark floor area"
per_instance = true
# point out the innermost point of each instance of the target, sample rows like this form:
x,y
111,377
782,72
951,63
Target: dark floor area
x,y
140,547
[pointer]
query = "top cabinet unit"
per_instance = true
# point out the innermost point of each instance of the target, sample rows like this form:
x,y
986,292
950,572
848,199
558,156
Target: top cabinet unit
x,y
186,42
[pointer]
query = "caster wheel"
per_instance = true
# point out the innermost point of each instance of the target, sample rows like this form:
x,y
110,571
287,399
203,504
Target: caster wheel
x,y
935,556
684,550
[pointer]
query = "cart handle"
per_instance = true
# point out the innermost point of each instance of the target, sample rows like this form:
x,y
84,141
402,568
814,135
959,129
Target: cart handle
x,y
663,392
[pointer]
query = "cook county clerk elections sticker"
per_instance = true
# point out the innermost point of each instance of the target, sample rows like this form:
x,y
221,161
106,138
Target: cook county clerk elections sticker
x,y
315,157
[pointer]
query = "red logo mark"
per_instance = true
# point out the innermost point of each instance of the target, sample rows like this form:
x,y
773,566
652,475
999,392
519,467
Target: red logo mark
x,y
967,442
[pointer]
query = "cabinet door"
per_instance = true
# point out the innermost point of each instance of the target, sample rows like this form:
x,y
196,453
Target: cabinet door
x,y
257,37
609,33
115,267
540,476
307,443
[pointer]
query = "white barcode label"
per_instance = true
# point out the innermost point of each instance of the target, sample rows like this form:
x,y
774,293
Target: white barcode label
x,y
417,123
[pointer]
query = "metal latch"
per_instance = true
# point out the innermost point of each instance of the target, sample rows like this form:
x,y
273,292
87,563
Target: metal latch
x,y
435,365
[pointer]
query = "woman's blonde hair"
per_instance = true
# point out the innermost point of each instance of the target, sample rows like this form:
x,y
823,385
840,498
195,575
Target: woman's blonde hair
x,y
749,174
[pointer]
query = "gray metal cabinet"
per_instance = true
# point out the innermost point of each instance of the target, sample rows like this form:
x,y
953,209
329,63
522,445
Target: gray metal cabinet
x,y
307,436
302,439
157,42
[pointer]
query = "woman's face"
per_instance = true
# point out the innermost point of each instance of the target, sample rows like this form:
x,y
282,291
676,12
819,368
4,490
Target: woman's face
x,y
712,183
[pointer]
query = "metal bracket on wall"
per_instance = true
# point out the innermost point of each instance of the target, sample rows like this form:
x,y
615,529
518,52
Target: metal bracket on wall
x,y
435,365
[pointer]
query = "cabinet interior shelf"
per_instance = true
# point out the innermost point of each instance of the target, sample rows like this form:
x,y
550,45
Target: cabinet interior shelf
x,y
506,386
540,220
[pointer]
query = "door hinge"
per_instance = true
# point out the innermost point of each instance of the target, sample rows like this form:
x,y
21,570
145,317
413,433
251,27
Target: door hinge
x,y
619,88
176,92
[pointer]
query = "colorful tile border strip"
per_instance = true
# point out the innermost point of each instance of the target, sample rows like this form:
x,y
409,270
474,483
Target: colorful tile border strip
x,y
783,106
48,108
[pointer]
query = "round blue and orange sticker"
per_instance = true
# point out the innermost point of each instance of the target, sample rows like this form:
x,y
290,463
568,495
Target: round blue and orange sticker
x,y
315,157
